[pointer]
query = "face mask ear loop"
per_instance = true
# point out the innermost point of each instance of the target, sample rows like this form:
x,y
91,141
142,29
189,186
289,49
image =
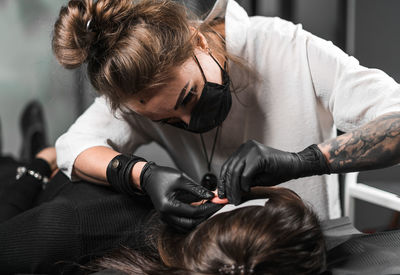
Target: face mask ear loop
x,y
219,65
201,69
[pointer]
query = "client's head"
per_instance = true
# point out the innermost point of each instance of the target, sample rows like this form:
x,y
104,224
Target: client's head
x,y
284,237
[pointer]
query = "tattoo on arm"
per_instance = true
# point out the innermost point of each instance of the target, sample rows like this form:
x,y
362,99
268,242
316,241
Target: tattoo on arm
x,y
374,145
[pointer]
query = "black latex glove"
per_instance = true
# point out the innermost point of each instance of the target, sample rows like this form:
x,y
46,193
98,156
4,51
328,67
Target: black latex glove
x,y
171,192
254,164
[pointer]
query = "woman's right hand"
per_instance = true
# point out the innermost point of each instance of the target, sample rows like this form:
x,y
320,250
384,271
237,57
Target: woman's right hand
x,y
171,192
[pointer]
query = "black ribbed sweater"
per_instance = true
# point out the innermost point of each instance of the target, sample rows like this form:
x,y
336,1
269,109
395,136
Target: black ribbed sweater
x,y
67,224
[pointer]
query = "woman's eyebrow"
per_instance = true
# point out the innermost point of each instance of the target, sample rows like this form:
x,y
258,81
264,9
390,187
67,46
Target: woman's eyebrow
x,y
181,95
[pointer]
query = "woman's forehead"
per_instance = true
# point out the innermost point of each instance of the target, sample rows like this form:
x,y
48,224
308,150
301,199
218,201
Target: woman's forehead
x,y
161,101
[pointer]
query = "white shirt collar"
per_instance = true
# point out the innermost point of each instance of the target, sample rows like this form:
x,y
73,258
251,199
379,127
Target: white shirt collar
x,y
218,10
236,24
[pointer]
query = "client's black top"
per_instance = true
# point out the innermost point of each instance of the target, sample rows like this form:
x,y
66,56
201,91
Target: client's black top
x,y
68,223
54,230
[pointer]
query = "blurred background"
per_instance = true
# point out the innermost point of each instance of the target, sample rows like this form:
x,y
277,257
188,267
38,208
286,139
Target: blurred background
x,y
366,29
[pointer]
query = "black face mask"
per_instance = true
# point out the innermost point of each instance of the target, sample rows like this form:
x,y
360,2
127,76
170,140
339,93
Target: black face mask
x,y
213,106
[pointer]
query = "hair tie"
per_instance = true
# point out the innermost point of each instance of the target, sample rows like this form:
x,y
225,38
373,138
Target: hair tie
x,y
235,269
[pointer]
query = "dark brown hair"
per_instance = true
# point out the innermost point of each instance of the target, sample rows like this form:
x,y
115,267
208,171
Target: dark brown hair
x,y
284,237
129,46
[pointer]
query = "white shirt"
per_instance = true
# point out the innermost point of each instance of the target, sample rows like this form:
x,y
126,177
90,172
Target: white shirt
x,y
308,88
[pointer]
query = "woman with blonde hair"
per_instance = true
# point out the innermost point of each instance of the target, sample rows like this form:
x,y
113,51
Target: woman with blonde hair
x,y
233,99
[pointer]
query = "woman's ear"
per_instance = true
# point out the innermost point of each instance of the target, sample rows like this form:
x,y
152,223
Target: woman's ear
x,y
199,39
202,41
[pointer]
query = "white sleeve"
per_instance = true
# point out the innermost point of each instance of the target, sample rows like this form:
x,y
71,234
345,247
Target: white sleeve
x,y
97,126
352,93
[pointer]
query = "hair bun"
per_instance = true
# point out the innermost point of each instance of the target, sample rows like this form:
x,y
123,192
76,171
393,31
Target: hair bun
x,y
71,38
84,22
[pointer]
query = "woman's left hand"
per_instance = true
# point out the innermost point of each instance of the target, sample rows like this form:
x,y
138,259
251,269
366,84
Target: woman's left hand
x,y
255,164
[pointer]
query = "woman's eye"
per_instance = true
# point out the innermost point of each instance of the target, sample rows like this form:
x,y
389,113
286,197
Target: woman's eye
x,y
189,96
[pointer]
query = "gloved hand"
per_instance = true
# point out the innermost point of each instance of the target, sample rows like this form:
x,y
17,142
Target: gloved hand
x,y
254,164
171,192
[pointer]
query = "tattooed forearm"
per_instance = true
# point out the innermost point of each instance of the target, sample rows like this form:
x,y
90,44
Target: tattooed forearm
x,y
374,145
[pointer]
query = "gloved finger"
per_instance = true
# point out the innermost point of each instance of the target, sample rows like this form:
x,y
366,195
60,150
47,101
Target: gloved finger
x,y
221,188
224,176
248,177
227,174
233,189
180,209
231,181
185,197
177,208
197,190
